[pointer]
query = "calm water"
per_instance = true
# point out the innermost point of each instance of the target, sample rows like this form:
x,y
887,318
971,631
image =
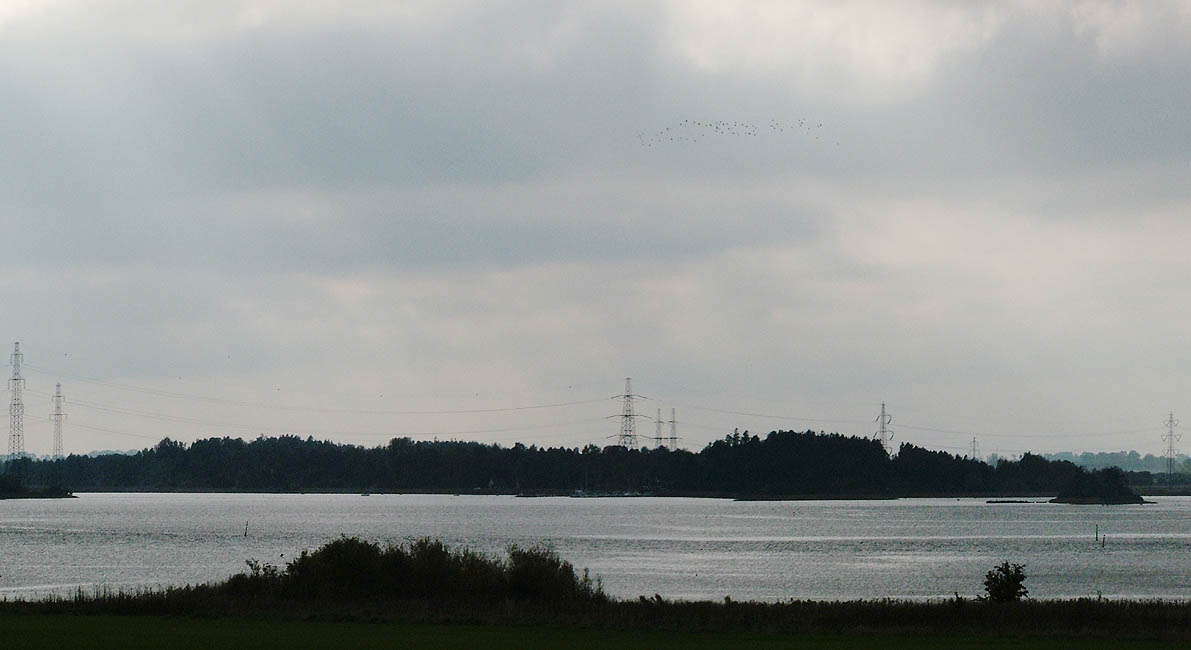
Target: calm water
x,y
679,548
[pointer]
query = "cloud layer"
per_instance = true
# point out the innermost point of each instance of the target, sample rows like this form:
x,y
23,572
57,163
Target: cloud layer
x,y
971,212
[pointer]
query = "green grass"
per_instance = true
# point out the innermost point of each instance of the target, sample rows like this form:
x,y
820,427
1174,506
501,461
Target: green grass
x,y
56,631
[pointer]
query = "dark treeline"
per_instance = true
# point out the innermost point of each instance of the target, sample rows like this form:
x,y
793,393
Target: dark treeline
x,y
783,463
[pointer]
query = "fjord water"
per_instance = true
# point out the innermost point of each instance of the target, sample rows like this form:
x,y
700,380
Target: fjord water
x,y
679,548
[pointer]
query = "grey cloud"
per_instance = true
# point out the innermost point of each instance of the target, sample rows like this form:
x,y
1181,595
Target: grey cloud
x,y
468,203
418,230
348,106
340,107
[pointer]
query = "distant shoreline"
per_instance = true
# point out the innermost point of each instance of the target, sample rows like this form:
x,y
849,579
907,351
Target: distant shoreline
x,y
998,497
782,466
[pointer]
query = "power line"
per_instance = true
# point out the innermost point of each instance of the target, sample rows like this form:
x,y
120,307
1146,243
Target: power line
x,y
317,409
1026,435
903,425
164,417
479,431
151,415
257,428
627,433
233,428
115,431
240,425
309,409
770,416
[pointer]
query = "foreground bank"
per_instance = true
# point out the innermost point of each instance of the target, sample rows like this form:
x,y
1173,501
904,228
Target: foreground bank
x,y
103,632
474,599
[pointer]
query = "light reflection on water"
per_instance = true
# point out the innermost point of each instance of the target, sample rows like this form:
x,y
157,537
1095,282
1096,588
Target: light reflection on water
x,y
679,548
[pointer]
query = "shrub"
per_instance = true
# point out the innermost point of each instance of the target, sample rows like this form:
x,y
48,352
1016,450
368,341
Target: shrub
x,y
1005,583
349,569
537,573
345,568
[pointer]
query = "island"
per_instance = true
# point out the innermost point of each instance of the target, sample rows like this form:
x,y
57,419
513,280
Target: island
x,y
1100,487
12,488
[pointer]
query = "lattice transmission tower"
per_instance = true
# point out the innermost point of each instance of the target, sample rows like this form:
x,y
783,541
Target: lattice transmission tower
x,y
57,416
673,431
1170,437
628,419
16,408
884,434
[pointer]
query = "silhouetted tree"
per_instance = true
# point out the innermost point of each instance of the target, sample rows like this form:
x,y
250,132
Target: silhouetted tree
x,y
1005,583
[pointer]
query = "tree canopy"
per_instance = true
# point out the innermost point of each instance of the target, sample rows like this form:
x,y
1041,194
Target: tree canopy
x,y
782,463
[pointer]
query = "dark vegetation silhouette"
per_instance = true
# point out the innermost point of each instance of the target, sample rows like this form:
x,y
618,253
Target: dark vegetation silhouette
x,y
10,484
351,570
1099,486
1005,583
13,484
783,463
424,581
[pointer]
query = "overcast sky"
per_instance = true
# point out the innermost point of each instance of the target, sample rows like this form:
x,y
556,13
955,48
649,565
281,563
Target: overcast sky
x,y
247,217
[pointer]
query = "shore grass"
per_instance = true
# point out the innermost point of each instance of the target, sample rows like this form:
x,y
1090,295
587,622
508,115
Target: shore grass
x,y
56,631
429,590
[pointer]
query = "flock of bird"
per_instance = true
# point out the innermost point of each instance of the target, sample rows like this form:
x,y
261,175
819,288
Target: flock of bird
x,y
695,130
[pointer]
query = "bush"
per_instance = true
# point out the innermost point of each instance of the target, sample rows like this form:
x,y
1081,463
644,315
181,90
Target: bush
x,y
344,569
349,569
1005,583
537,573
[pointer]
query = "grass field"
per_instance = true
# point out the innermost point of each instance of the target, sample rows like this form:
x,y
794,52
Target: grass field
x,y
57,631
